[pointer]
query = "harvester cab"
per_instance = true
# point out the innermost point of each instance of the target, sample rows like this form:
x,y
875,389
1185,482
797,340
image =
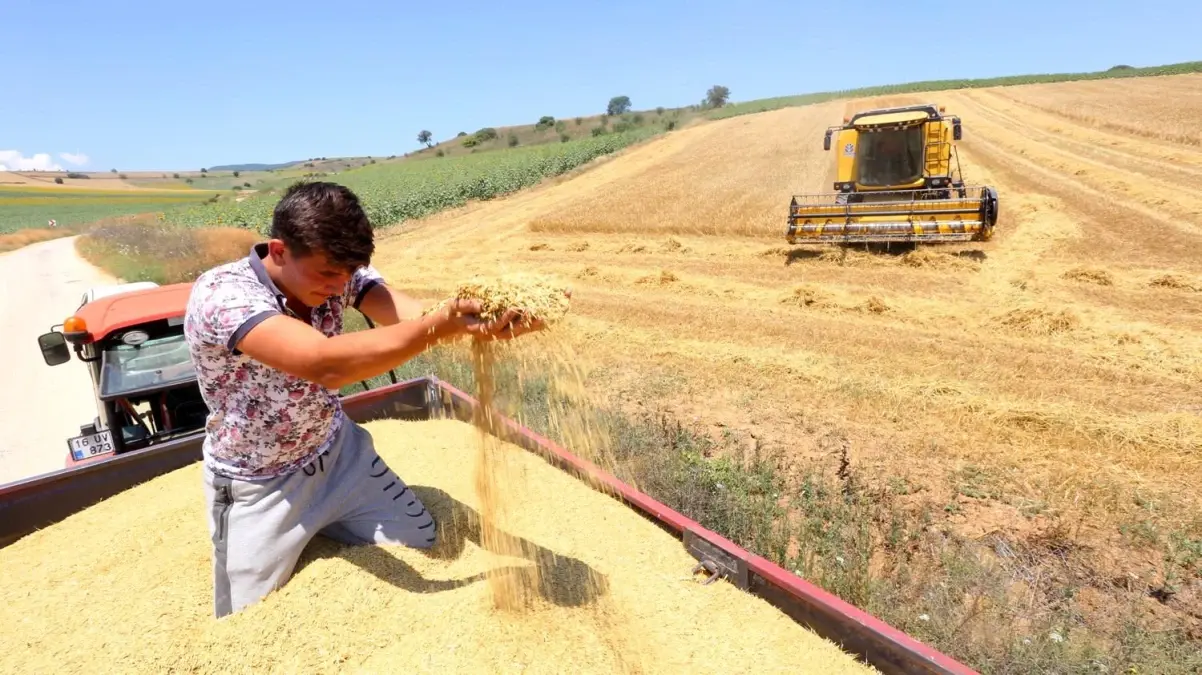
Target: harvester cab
x,y
131,338
898,180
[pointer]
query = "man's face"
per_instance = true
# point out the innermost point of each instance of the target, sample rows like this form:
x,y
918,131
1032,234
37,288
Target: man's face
x,y
310,278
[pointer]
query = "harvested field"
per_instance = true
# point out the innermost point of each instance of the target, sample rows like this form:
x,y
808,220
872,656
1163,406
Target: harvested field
x,y
128,582
1058,364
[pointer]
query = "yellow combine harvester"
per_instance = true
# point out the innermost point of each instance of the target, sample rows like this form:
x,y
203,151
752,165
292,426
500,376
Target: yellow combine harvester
x,y
896,183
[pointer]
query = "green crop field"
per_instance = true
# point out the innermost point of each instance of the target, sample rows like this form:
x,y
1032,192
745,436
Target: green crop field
x,y
24,208
392,193
766,104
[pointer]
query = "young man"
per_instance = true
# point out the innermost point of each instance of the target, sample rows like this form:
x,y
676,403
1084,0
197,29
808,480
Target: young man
x,y
282,462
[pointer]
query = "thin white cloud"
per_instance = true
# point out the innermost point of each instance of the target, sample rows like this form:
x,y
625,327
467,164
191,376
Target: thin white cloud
x,y
13,160
75,158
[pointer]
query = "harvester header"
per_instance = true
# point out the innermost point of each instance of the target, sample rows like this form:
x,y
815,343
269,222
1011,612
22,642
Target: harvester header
x,y
897,180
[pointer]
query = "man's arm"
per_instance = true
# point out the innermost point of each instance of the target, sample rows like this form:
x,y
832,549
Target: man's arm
x,y
295,347
386,306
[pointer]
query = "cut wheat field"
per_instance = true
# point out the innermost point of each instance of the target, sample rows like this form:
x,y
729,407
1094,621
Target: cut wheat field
x,y
1042,384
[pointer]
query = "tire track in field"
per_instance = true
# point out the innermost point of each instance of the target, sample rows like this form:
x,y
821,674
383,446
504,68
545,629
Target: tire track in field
x,y
1114,135
1094,144
1036,159
1109,228
1104,181
1133,99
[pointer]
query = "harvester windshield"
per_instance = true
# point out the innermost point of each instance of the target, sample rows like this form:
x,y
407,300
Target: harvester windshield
x,y
889,157
156,364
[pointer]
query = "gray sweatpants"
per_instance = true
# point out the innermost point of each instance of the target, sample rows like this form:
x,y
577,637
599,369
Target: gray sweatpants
x,y
347,493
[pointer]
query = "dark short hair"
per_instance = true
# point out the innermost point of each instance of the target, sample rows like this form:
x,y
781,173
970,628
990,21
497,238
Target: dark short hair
x,y
323,217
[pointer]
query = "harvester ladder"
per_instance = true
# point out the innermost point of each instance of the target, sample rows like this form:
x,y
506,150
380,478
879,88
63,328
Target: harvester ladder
x,y
936,140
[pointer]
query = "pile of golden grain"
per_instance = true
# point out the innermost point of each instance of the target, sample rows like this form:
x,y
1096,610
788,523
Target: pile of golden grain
x,y
126,586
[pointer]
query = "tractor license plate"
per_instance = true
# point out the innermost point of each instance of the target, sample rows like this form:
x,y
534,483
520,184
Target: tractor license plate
x,y
91,445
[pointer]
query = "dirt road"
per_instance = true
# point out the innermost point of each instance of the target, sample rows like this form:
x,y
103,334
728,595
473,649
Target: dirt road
x,y
40,406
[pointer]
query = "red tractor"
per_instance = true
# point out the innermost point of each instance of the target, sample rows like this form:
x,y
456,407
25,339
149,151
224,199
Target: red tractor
x,y
131,338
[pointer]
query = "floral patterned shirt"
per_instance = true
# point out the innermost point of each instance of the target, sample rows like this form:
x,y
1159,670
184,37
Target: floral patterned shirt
x,y
262,422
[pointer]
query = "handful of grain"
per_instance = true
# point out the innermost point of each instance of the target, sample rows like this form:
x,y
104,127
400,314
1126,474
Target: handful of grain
x,y
534,297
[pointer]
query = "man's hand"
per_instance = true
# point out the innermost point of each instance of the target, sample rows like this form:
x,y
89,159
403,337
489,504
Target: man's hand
x,y
465,316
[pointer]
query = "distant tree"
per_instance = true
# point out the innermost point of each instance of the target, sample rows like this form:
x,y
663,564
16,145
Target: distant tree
x,y
717,96
236,174
618,105
545,122
203,170
659,110
424,137
461,133
513,140
113,170
175,175
58,179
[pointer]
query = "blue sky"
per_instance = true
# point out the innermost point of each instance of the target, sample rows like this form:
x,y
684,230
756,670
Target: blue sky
x,y
183,85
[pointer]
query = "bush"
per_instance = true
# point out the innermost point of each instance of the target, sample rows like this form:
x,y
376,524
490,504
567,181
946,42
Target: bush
x,y
513,141
58,180
564,138
78,176
163,254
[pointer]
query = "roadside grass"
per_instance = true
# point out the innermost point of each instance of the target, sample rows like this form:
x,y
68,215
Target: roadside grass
x,y
999,604
22,238
141,248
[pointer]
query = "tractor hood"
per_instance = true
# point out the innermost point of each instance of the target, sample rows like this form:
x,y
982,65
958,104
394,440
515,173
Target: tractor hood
x,y
105,315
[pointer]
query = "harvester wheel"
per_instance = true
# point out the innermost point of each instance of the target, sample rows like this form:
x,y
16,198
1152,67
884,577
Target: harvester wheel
x,y
989,207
